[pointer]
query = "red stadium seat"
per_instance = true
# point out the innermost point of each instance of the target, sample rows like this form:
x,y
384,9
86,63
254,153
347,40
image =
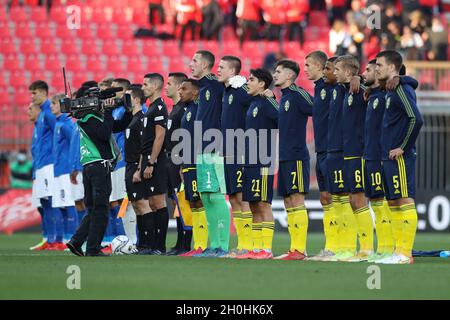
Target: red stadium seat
x,y
44,30
170,48
64,33
32,63
4,96
38,14
18,80
12,63
4,30
86,31
18,14
58,14
21,97
52,63
24,30
115,65
69,47
94,64
129,48
124,32
135,64
48,47
151,47
3,15
89,47
74,64
28,46
8,46
110,48
106,32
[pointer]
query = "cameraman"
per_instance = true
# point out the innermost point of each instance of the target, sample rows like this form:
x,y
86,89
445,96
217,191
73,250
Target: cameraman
x,y
98,153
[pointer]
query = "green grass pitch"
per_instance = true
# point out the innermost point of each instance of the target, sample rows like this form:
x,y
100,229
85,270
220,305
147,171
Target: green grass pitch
x,y
42,275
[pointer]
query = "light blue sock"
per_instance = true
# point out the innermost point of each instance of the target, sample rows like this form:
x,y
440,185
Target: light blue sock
x,y
70,221
49,219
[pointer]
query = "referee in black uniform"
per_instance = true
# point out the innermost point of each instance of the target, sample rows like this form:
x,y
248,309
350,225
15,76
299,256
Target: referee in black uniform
x,y
153,159
174,82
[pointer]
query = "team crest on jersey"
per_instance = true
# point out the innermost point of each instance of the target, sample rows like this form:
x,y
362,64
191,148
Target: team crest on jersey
x,y
230,99
255,112
375,103
323,94
350,100
127,133
207,95
188,116
388,102
286,106
334,94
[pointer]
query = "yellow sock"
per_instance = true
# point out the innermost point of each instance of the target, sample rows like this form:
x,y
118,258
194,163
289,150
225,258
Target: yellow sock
x,y
247,239
257,236
409,217
327,220
365,228
333,229
267,230
290,220
397,226
378,208
339,223
349,225
300,228
387,229
195,234
237,220
203,228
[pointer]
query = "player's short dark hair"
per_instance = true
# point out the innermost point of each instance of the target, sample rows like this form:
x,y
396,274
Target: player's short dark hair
x,y
155,77
332,59
107,82
289,64
137,92
349,62
90,84
124,83
373,61
194,82
39,85
402,70
262,75
179,77
208,56
234,61
392,57
319,56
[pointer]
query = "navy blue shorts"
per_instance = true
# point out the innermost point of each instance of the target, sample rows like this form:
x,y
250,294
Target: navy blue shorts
x,y
399,177
373,179
293,177
353,175
321,172
335,170
258,185
233,178
190,184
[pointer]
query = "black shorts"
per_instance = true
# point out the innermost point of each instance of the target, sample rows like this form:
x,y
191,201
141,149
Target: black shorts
x,y
293,177
258,185
321,172
173,178
158,183
135,191
233,178
190,184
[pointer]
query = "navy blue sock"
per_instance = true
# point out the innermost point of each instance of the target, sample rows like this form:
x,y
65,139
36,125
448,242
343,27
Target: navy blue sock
x,y
117,222
44,230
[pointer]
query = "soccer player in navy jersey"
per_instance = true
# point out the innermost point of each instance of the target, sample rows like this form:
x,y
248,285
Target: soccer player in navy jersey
x,y
293,175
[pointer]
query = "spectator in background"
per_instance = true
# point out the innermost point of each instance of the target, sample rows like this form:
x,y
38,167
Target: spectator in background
x,y
340,39
389,14
408,6
356,15
105,83
212,20
47,3
372,45
274,17
417,22
439,41
296,17
247,12
336,10
155,7
410,43
427,7
186,18
391,39
357,38
21,172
